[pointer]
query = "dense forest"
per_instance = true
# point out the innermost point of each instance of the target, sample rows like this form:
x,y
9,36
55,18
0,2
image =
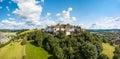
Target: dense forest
x,y
83,45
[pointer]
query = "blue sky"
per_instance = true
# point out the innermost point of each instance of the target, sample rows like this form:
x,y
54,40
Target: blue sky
x,y
92,14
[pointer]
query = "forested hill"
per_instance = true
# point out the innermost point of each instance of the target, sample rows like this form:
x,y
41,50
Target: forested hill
x,y
82,45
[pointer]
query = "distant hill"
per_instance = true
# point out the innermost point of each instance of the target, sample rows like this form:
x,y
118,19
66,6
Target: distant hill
x,y
102,30
11,30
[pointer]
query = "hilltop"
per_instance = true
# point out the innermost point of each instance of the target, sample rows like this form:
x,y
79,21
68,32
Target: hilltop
x,y
80,44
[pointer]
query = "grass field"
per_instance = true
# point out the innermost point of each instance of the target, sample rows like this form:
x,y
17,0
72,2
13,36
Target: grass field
x,y
33,52
108,50
14,50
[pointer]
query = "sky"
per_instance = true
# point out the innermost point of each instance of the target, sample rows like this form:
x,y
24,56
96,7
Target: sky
x,y
30,14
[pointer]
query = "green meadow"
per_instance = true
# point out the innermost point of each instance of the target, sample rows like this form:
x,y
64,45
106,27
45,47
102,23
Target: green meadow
x,y
14,50
33,52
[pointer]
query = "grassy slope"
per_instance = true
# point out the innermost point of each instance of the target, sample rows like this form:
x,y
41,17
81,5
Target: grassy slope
x,y
14,51
108,50
33,52
27,32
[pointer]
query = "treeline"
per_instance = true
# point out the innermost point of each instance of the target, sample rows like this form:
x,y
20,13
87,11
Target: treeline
x,y
12,30
117,52
83,45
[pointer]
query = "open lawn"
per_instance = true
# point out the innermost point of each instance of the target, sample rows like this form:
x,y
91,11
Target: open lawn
x,y
33,52
14,50
108,50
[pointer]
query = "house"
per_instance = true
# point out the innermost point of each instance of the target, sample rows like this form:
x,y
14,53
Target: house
x,y
64,27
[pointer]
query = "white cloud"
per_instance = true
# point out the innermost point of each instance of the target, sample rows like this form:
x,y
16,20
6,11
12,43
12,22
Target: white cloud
x,y
47,22
107,23
1,0
42,0
0,7
7,8
74,18
70,9
10,2
8,14
10,24
43,22
11,18
28,10
81,25
65,16
48,14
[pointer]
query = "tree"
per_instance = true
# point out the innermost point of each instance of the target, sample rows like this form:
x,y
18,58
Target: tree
x,y
39,38
71,53
89,51
49,42
103,56
58,52
99,47
24,41
117,53
61,34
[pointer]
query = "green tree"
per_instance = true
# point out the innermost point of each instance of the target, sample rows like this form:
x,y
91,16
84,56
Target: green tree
x,y
49,42
117,53
61,34
39,38
103,56
24,41
71,53
99,47
58,52
89,51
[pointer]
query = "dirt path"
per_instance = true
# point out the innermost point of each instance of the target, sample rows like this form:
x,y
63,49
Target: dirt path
x,y
24,50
